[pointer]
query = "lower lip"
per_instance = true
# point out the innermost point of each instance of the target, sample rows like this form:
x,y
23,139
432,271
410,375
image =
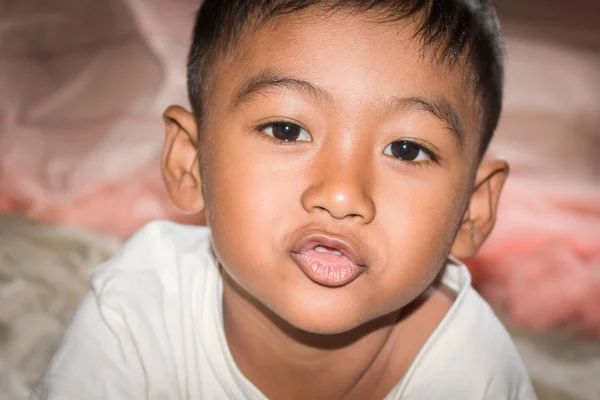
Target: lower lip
x,y
327,269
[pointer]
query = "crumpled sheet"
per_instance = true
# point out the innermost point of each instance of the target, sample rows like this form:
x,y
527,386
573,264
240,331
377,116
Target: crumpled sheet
x,y
541,263
44,273
84,83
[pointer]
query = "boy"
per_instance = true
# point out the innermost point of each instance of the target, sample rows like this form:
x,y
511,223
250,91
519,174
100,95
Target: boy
x,y
336,148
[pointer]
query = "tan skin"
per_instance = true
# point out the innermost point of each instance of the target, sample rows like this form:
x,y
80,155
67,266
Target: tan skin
x,y
342,82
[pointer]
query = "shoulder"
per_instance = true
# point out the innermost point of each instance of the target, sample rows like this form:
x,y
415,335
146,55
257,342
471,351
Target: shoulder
x,y
472,331
470,355
157,279
154,258
482,341
487,351
139,320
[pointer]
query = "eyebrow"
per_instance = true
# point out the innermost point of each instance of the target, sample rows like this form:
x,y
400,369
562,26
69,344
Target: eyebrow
x,y
268,79
439,108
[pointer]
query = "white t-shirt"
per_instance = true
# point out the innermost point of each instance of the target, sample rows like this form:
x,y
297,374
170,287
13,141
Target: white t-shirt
x,y
152,328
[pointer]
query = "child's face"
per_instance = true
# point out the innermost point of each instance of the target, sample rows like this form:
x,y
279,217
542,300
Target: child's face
x,y
355,96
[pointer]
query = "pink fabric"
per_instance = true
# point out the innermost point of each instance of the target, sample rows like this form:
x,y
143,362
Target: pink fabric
x,y
84,83
542,263
114,208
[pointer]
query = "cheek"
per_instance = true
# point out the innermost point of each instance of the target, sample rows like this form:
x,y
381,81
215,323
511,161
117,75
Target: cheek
x,y
421,210
248,191
251,199
418,223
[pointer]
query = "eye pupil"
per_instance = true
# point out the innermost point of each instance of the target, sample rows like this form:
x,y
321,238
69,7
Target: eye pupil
x,y
405,150
286,132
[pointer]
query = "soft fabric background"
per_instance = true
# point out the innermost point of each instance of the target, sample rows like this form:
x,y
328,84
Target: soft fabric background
x,y
84,83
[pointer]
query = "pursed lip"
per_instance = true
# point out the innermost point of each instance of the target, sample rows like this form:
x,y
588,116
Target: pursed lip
x,y
339,243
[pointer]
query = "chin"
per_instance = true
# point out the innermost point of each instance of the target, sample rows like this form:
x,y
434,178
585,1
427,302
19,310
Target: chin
x,y
321,326
327,319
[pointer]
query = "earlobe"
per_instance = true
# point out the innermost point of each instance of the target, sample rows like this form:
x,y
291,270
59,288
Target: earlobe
x,y
179,161
480,216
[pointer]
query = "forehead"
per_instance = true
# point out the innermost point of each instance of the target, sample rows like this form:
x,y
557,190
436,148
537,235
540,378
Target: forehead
x,y
359,60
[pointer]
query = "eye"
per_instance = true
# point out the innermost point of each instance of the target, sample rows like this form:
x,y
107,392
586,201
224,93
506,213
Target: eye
x,y
406,150
286,132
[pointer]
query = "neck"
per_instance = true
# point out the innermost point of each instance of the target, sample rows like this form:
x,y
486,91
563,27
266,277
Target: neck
x,y
285,362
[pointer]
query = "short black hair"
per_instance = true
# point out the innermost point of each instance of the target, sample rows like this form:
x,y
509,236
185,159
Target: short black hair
x,y
450,28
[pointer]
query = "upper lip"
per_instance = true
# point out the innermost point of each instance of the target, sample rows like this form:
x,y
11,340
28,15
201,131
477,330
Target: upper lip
x,y
344,245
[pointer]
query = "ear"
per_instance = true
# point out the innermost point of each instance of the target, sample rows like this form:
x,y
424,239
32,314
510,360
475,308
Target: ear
x,y
179,161
480,216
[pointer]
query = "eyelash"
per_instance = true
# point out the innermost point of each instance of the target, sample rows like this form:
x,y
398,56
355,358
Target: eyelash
x,y
259,129
427,149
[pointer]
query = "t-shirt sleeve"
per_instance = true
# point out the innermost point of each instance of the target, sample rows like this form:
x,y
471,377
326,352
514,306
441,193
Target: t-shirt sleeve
x,y
96,359
511,384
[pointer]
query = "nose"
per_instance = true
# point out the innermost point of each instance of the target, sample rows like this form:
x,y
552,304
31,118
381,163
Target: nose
x,y
340,188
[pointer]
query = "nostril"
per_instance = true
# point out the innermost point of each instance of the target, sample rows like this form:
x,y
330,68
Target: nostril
x,y
339,201
339,214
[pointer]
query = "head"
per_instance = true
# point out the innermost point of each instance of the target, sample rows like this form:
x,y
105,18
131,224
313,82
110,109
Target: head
x,y
359,123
